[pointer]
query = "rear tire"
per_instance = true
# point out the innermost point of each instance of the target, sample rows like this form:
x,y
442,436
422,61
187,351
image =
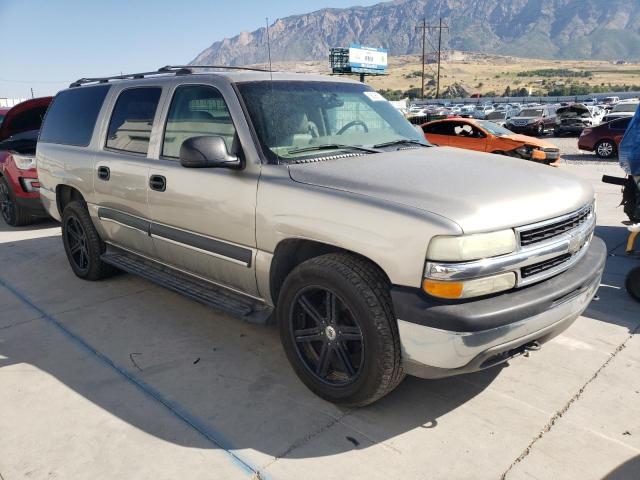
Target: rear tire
x,y
348,353
82,243
605,149
12,213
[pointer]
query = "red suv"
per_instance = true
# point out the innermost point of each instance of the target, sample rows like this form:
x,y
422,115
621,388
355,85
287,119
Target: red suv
x,y
19,187
605,138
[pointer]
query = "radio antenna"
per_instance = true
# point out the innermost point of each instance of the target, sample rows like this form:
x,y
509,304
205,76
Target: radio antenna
x,y
269,48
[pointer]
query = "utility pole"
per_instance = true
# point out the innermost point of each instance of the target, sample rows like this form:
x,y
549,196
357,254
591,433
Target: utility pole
x,y
31,92
439,57
423,27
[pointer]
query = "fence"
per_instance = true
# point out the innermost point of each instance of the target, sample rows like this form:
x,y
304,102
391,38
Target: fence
x,y
574,98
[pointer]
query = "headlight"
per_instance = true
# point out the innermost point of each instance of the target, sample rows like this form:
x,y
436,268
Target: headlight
x,y
471,247
469,288
24,162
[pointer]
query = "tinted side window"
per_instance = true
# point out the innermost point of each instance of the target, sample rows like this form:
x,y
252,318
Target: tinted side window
x,y
440,128
621,124
197,110
132,119
72,116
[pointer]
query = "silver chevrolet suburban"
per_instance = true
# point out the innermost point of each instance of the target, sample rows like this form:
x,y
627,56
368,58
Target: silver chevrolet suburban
x,y
312,201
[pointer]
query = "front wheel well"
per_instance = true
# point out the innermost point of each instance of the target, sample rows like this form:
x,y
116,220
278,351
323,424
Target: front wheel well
x,y
66,194
292,252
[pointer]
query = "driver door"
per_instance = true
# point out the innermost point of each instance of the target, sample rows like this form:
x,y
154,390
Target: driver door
x,y
468,136
203,219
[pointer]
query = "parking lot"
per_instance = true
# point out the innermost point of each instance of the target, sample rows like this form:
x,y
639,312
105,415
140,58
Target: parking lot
x,y
124,379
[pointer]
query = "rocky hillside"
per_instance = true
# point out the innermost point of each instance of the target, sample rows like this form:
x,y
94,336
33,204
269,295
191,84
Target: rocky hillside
x,y
566,29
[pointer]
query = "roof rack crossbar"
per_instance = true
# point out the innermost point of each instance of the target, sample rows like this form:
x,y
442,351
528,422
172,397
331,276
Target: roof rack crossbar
x,y
169,68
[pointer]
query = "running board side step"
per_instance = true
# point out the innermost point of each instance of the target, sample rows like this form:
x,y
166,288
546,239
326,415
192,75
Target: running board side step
x,y
214,296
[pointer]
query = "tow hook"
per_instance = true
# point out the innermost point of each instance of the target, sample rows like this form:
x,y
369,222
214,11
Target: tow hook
x,y
531,347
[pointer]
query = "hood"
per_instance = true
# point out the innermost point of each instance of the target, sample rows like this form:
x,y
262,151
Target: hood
x,y
24,116
575,110
478,191
536,142
525,118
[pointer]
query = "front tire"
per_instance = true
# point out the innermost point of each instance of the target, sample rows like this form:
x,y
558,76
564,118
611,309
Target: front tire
x,y
540,130
12,213
82,243
338,329
632,283
605,149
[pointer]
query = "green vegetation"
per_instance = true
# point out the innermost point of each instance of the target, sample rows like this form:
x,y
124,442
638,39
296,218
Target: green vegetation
x,y
555,72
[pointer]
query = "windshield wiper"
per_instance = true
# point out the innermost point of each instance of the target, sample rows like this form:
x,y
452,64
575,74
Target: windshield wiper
x,y
332,146
401,142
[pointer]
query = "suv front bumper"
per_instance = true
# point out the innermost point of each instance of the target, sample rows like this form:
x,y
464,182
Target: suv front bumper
x,y
440,338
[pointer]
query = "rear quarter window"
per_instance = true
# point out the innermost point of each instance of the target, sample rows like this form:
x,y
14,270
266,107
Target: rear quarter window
x,y
72,116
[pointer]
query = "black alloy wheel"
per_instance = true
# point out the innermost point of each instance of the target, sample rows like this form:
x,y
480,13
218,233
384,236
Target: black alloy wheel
x,y
76,239
327,337
7,205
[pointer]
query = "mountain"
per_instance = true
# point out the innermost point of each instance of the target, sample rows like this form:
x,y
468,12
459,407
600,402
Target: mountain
x,y
562,29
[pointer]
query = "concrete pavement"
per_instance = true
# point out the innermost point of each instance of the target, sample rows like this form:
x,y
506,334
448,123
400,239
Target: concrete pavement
x,y
124,379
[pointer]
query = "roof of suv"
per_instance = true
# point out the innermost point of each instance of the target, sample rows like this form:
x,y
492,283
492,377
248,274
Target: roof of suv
x,y
235,76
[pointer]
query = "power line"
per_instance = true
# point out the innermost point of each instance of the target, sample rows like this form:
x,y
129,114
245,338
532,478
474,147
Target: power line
x,y
35,81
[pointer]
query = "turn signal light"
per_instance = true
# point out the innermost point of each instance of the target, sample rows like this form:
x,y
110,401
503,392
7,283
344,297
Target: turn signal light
x,y
451,290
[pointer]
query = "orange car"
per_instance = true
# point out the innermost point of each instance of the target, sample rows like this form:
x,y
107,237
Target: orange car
x,y
486,136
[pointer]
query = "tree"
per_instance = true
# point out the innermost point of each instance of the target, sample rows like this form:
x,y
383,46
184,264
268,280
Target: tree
x,y
507,92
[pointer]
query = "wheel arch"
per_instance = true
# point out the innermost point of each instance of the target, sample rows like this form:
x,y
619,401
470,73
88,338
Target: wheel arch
x,y
291,252
65,194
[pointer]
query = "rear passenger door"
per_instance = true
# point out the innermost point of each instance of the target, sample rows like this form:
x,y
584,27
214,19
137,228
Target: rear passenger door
x,y
203,219
121,169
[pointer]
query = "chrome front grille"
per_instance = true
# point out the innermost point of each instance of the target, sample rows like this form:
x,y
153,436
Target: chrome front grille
x,y
553,228
540,267
545,249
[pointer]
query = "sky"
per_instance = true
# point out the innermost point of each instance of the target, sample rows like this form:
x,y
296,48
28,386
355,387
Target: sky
x,y
46,44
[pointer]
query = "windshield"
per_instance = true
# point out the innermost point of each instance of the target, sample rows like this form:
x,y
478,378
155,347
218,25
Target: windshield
x,y
1,118
531,112
625,107
494,128
301,119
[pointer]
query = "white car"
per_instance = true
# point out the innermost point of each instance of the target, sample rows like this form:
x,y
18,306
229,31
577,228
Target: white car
x,y
622,109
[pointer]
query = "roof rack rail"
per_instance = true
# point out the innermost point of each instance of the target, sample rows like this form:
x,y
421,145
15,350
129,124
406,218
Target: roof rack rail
x,y
167,69
220,67
84,81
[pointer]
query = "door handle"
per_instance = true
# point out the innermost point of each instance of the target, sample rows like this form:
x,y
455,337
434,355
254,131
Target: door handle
x,y
158,183
104,173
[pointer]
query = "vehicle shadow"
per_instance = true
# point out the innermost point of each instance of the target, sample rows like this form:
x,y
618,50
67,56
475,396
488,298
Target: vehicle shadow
x,y
39,224
120,340
628,470
612,290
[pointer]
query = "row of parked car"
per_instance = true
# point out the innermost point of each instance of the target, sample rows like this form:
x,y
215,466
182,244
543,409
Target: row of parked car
x,y
538,119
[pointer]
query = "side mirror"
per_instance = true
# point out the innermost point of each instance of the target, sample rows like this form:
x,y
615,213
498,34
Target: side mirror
x,y
209,151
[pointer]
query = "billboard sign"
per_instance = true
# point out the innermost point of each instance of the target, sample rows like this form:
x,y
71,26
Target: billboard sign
x,y
367,59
